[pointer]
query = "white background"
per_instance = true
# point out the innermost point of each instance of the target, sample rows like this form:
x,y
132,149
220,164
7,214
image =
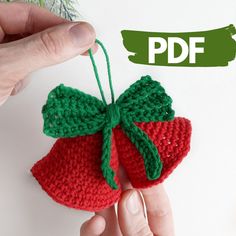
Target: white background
x,y
202,189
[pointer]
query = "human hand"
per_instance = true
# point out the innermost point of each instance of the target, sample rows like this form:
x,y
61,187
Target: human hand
x,y
131,219
32,38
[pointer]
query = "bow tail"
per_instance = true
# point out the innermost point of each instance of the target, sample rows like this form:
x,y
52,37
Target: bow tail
x,y
146,147
107,171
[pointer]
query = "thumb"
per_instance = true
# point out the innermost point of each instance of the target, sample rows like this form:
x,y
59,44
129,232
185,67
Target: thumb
x,y
131,215
51,46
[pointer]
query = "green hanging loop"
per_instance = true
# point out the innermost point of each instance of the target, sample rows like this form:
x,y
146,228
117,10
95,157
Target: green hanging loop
x,y
112,119
108,71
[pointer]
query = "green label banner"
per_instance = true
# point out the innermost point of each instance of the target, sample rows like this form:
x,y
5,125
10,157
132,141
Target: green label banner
x,y
196,49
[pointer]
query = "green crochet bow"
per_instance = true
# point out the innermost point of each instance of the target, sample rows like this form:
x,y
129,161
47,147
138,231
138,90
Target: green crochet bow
x,y
70,113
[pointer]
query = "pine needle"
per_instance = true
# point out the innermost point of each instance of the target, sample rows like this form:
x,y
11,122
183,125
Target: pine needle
x,y
63,8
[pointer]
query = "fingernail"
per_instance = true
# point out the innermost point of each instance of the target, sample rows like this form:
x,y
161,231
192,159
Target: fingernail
x,y
82,34
133,203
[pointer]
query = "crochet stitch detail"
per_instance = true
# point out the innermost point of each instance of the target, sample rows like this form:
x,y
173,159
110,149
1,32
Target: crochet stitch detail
x,y
70,113
172,139
70,173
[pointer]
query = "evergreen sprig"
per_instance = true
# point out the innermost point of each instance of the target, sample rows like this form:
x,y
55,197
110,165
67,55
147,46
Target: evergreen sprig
x,y
63,8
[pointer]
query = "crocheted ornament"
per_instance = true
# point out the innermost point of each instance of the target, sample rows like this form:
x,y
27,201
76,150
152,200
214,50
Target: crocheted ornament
x,y
138,131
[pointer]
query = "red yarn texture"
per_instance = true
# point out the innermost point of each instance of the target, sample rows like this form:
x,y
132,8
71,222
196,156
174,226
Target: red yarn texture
x,y
172,140
71,172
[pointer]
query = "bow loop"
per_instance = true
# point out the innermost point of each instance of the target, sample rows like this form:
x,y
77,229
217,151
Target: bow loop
x,y
70,113
145,101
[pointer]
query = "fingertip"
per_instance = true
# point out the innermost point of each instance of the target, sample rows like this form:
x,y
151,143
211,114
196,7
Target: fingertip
x,y
159,212
93,227
130,196
97,224
125,195
131,214
83,35
112,226
90,29
94,49
162,203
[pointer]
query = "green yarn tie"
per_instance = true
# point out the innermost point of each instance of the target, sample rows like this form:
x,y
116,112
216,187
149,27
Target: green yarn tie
x,y
112,119
152,160
71,113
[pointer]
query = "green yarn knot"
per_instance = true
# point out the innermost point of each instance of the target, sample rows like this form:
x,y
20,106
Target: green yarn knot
x,y
113,114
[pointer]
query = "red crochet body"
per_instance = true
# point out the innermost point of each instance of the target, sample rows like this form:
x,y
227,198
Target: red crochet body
x,y
71,172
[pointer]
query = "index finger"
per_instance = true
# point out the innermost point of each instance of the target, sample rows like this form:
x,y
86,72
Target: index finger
x,y
20,18
159,211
